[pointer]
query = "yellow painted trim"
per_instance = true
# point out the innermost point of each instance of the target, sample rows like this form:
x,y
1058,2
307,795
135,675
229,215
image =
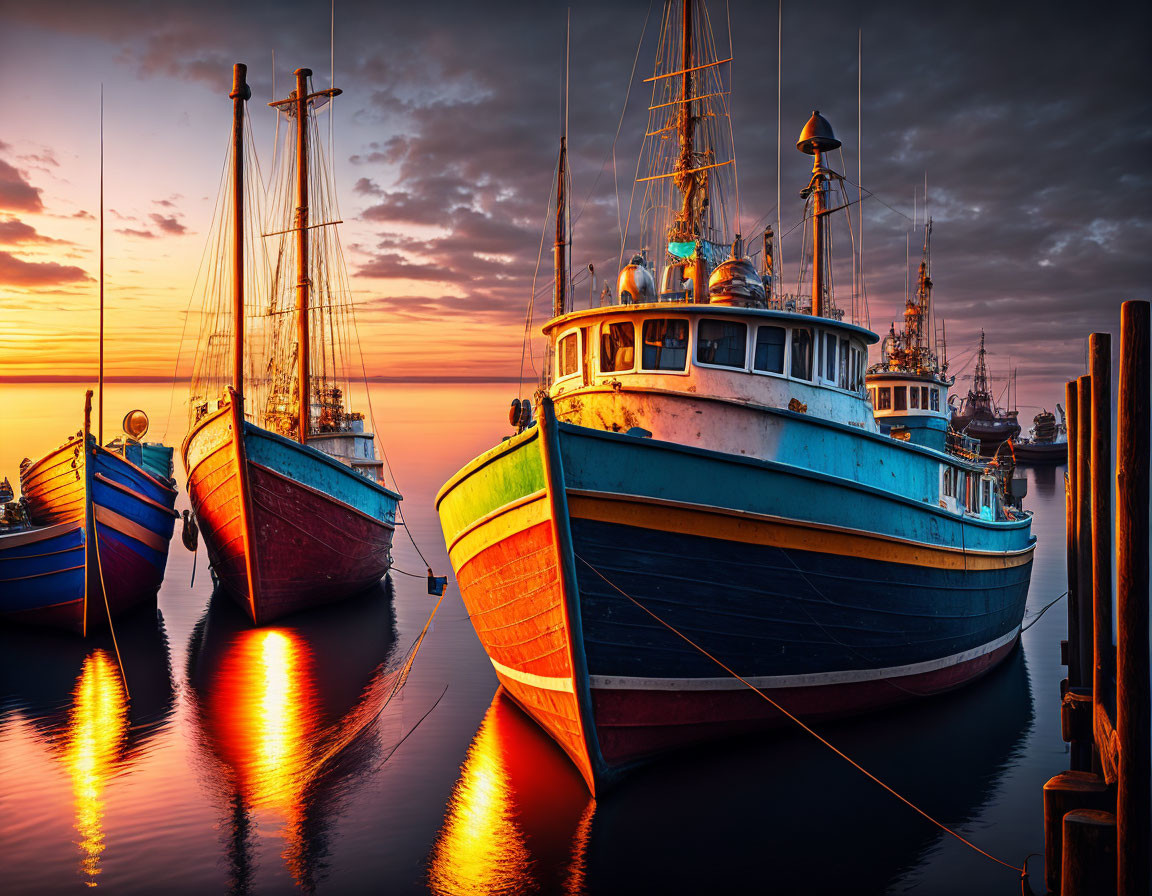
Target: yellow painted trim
x,y
544,682
751,528
498,525
125,526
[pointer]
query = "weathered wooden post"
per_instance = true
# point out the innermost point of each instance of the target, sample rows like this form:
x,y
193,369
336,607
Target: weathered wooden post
x,y
1084,530
1089,864
1067,792
1100,464
1133,693
1071,655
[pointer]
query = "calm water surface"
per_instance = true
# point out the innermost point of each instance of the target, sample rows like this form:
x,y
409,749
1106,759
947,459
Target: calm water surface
x,y
288,758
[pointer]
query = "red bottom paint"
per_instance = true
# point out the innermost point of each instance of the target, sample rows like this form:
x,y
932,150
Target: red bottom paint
x,y
633,725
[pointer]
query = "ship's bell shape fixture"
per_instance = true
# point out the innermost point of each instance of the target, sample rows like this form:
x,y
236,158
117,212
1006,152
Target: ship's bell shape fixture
x,y
817,136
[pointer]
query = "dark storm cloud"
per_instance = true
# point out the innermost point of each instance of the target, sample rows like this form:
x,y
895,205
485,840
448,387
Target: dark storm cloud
x,y
18,272
1031,120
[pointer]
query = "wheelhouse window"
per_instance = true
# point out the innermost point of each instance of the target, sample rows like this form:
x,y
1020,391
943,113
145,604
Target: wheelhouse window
x,y
829,357
885,395
721,343
769,356
845,380
934,396
924,397
617,346
914,397
665,344
900,402
802,354
568,355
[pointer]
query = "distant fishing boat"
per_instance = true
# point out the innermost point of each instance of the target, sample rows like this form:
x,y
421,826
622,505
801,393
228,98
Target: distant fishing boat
x,y
1047,442
908,388
283,478
979,417
706,465
89,538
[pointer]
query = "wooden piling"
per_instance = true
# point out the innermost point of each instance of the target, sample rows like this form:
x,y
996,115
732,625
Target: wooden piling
x,y
1100,465
1084,531
1133,693
1071,652
1068,792
1089,862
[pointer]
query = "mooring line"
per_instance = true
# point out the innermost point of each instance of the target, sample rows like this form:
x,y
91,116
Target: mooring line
x,y
1043,610
1023,870
107,609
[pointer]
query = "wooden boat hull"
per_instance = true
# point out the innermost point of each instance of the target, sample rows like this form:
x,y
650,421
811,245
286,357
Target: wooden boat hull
x,y
832,597
287,528
102,526
991,433
1040,452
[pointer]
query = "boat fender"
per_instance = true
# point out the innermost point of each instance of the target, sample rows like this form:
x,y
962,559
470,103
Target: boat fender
x,y
190,534
520,414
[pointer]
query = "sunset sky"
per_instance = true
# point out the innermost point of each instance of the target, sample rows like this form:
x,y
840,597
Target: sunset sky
x,y
1031,122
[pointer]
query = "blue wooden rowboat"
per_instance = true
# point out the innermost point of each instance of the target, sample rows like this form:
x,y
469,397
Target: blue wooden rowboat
x,y
94,538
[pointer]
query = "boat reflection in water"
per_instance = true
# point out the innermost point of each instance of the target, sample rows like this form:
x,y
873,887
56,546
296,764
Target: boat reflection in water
x,y
782,812
287,718
70,693
518,818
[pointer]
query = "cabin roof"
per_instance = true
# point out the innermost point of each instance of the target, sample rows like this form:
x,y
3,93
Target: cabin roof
x,y
686,308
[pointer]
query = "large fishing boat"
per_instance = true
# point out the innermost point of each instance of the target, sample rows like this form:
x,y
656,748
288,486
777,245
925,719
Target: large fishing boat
x,y
707,482
284,480
979,416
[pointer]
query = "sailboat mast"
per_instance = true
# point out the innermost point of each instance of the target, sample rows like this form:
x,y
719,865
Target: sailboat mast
x,y
100,375
302,281
560,299
240,93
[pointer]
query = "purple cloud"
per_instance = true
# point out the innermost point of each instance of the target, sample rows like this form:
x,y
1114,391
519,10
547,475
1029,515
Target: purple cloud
x,y
17,272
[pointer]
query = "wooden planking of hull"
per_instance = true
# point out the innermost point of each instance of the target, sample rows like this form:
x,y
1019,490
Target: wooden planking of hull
x,y
829,614
103,527
1040,452
286,527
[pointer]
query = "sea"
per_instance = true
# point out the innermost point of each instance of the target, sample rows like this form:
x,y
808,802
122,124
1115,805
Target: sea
x,y
341,752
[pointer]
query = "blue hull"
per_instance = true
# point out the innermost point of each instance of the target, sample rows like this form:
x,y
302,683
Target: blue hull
x,y
114,546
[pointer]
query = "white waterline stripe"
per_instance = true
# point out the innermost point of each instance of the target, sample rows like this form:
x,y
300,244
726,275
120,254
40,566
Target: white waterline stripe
x,y
812,679
537,681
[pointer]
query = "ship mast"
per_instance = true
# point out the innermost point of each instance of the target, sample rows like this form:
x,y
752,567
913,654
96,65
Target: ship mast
x,y
815,140
297,105
684,175
241,92
560,260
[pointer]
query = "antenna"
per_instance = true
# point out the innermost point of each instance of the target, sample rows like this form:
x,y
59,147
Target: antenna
x,y
859,158
100,376
779,71
331,77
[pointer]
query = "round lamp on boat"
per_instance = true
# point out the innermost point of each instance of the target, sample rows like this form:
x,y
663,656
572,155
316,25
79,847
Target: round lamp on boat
x,y
136,424
736,282
817,136
635,284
